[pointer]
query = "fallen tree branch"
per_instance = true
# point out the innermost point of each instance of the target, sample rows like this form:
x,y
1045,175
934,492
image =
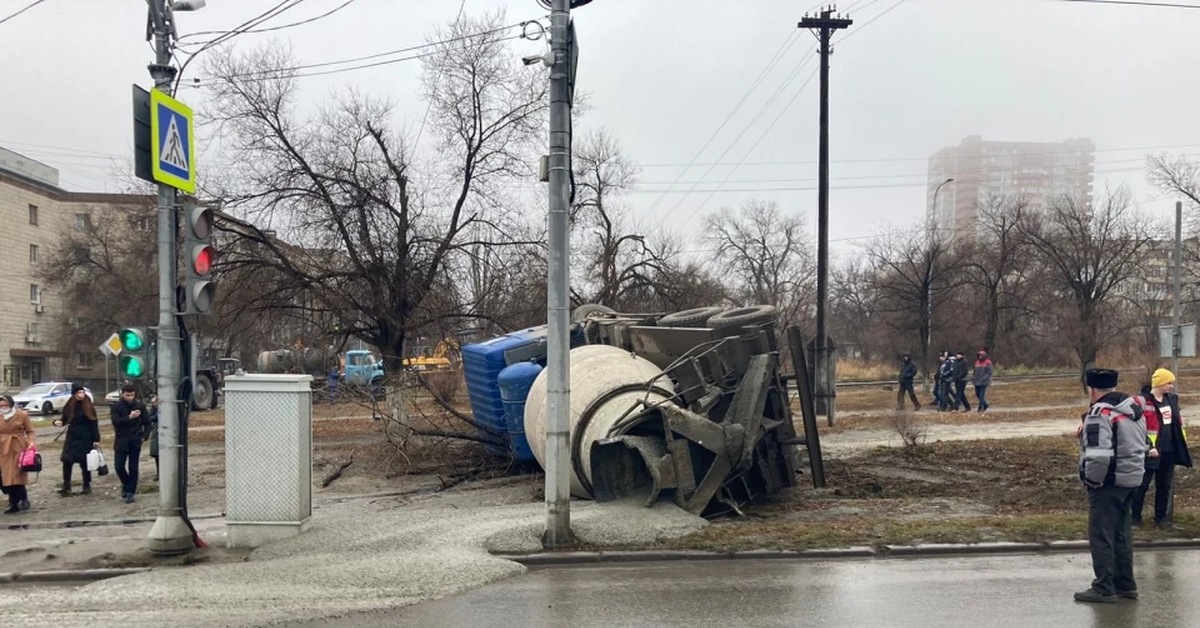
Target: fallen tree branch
x,y
337,473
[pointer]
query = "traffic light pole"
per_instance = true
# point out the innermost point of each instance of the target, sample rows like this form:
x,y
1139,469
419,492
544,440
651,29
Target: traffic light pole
x,y
170,533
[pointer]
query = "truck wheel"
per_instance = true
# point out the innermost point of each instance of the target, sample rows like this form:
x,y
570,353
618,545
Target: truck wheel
x,y
695,317
202,393
743,316
581,313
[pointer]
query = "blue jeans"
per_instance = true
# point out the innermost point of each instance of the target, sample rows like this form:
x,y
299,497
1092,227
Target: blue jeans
x,y
981,395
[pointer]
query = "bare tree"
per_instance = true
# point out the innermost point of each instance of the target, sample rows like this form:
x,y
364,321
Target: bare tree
x,y
375,235
853,306
106,273
915,277
765,257
1089,251
614,262
998,262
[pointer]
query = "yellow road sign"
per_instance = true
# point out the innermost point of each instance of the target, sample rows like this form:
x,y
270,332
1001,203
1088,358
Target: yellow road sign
x,y
113,344
172,142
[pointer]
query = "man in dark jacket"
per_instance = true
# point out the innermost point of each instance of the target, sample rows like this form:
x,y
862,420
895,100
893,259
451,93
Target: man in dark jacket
x,y
960,382
129,418
982,378
946,382
908,372
1113,444
1168,445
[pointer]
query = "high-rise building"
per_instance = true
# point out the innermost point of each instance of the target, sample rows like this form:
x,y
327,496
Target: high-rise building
x,y
1034,172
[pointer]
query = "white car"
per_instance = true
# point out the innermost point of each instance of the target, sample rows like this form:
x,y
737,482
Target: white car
x,y
46,397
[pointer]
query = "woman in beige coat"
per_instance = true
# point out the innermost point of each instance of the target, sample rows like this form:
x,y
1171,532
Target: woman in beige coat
x,y
16,435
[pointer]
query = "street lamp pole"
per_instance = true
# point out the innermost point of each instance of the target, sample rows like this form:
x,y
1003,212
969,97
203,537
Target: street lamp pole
x,y
931,227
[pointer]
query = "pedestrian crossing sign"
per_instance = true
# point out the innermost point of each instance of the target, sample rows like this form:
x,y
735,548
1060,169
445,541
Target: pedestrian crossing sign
x,y
172,142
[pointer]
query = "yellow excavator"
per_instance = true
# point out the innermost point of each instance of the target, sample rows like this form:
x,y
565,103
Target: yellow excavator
x,y
444,357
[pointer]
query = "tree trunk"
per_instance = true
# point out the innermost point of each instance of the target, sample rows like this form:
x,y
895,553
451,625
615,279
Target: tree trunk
x,y
993,320
396,427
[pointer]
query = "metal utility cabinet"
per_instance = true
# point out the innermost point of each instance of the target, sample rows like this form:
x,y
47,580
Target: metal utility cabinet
x,y
268,457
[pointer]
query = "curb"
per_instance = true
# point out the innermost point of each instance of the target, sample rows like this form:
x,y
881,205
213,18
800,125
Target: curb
x,y
85,523
69,575
932,550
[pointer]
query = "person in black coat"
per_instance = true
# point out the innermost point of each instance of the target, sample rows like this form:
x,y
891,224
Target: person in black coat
x,y
960,382
908,372
129,419
83,435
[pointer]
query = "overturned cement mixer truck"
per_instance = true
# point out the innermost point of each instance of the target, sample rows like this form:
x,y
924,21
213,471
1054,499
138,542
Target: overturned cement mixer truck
x,y
688,406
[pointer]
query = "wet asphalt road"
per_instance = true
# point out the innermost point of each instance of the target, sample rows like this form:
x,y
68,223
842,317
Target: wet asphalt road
x,y
1014,590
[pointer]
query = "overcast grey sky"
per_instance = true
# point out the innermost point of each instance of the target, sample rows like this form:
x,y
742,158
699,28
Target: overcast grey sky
x,y
663,74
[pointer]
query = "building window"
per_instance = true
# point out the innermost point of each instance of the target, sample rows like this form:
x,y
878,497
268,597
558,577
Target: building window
x,y
83,222
140,223
35,293
81,254
12,376
33,254
31,330
85,360
33,217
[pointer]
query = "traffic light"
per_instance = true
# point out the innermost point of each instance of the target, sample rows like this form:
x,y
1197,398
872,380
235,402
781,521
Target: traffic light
x,y
135,353
200,256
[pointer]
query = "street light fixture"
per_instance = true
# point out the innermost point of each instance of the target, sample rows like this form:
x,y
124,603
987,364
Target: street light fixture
x,y
932,227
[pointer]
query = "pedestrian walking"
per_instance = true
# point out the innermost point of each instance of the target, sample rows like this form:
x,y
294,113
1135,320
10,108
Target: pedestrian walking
x,y
83,435
1168,446
129,418
960,382
947,383
16,436
1113,445
982,378
908,372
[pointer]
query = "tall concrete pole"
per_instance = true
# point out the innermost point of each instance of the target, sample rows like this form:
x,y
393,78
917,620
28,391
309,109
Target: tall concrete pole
x,y
558,363
825,25
1176,332
932,229
170,534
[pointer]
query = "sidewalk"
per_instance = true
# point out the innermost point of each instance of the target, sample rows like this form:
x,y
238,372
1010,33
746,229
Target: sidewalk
x,y
360,554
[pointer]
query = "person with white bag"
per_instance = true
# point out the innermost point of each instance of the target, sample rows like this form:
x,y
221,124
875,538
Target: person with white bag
x,y
83,436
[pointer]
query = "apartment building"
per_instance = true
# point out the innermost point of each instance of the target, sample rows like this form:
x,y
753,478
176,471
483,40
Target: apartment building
x,y
36,215
1035,172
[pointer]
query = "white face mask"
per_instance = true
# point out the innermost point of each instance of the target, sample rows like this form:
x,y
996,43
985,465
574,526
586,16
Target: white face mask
x,y
9,412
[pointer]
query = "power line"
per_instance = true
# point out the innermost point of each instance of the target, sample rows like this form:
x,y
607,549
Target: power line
x,y
1139,3
323,64
902,159
804,59
783,48
27,7
253,22
275,73
872,20
275,28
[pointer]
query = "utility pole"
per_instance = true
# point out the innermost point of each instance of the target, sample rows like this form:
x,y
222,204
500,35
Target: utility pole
x,y
825,25
558,363
1176,332
931,231
170,533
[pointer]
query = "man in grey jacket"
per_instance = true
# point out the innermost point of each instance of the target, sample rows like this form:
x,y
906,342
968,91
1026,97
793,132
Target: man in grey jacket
x,y
1113,445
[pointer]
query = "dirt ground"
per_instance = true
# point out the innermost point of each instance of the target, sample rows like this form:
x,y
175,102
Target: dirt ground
x,y
999,484
1018,489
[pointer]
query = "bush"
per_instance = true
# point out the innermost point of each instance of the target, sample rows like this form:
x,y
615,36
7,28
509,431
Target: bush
x,y
910,429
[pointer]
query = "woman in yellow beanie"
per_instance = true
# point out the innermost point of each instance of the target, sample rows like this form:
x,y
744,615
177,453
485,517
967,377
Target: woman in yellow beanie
x,y
1168,443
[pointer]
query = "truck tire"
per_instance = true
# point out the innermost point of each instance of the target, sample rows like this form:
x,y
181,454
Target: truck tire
x,y
580,314
202,393
743,316
695,317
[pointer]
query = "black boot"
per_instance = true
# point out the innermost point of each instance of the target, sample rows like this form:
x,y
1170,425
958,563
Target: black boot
x,y
66,489
87,489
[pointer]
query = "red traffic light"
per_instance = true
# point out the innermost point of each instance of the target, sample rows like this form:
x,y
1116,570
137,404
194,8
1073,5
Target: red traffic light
x,y
203,258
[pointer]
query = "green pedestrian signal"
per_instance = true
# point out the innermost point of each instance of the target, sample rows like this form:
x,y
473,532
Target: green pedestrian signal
x,y
134,362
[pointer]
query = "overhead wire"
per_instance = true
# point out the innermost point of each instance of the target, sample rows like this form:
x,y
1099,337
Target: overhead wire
x,y
270,29
1140,3
20,11
275,11
779,53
